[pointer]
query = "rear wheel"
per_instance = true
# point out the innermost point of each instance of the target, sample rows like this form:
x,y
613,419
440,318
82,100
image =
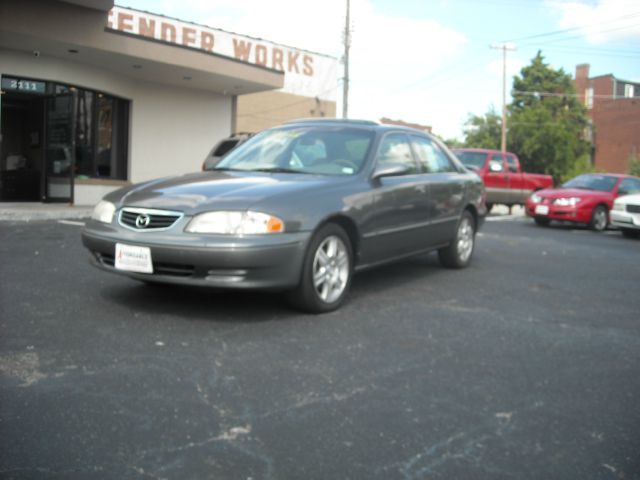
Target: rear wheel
x,y
326,272
458,253
599,218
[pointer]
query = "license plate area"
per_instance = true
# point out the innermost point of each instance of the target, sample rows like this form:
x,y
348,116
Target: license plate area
x,y
132,258
542,210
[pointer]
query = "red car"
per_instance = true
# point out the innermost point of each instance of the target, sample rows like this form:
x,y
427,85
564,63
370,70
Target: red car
x,y
584,199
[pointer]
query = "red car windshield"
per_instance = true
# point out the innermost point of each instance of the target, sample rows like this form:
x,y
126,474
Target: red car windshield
x,y
602,183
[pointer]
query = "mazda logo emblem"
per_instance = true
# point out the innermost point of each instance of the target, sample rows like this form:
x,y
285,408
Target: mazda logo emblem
x,y
142,221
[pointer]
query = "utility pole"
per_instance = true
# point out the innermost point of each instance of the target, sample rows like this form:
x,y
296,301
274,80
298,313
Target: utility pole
x,y
345,59
504,47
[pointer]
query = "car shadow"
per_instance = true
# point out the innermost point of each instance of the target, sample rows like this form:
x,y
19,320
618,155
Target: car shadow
x,y
198,303
255,306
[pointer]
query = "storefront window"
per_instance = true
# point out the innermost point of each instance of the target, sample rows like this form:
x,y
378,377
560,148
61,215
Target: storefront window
x,y
84,133
105,136
53,135
100,133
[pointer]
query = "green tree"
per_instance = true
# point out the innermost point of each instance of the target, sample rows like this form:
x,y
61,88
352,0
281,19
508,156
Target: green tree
x,y
634,165
483,131
547,121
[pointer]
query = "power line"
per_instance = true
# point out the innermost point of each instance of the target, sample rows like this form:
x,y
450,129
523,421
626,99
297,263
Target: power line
x,y
580,36
558,32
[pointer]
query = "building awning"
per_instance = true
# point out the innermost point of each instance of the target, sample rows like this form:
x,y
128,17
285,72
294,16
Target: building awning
x,y
80,34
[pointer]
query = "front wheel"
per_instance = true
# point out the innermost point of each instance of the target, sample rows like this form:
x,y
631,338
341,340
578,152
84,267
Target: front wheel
x,y
541,221
326,272
458,253
599,218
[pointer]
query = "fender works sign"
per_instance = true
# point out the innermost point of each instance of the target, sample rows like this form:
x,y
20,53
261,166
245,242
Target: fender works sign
x,y
306,73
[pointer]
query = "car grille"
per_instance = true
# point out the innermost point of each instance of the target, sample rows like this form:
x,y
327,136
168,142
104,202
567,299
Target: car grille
x,y
142,219
633,208
171,269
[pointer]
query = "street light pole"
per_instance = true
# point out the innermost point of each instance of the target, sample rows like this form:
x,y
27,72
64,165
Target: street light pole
x,y
504,47
345,80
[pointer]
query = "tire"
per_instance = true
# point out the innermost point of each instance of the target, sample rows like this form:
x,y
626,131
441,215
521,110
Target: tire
x,y
326,272
599,218
630,232
458,253
489,207
543,222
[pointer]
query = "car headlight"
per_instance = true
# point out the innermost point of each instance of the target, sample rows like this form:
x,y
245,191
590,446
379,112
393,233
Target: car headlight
x,y
535,198
104,211
235,223
619,206
567,202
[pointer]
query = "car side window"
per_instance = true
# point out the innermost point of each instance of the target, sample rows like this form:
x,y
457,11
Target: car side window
x,y
430,156
395,150
496,164
512,164
629,186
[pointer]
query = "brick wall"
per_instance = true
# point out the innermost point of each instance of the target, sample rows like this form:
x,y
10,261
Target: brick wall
x,y
616,122
616,133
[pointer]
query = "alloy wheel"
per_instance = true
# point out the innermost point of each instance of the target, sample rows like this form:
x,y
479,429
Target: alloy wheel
x,y
465,239
330,269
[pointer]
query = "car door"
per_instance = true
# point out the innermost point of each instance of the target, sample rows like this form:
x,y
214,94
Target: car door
x,y
518,192
399,213
497,180
446,190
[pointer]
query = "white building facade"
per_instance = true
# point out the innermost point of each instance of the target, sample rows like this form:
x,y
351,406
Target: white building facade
x,y
95,96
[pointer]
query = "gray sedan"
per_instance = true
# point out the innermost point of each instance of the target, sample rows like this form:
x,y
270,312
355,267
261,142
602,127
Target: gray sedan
x,y
298,208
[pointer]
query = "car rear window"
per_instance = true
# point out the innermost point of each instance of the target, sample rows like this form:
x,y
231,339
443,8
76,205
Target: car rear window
x,y
225,147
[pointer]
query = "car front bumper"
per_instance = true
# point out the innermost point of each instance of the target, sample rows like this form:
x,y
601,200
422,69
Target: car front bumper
x,y
623,219
220,261
576,214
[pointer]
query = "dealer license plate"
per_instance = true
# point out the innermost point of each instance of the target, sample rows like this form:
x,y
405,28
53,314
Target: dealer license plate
x,y
542,209
133,258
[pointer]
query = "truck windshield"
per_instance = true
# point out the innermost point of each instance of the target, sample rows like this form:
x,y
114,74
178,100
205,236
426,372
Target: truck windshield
x,y
474,160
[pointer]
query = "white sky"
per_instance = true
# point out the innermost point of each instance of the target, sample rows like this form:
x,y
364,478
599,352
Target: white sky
x,y
429,61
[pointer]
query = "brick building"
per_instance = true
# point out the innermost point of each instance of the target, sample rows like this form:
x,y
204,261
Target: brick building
x,y
614,108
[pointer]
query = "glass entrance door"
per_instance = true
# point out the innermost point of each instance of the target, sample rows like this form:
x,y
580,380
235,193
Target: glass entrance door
x,y
60,145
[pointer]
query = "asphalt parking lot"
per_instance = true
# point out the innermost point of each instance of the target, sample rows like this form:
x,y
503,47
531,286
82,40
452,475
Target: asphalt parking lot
x,y
524,366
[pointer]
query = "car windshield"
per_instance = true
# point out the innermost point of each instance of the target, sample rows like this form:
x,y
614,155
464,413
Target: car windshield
x,y
472,159
603,183
330,150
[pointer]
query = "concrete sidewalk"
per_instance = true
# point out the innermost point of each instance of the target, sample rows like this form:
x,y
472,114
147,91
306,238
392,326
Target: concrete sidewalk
x,y
27,211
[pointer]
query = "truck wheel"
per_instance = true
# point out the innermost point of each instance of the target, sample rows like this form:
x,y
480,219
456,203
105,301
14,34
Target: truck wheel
x,y
326,272
543,222
458,253
599,218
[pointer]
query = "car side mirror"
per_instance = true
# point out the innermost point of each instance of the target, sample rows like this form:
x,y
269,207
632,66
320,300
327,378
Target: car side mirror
x,y
390,170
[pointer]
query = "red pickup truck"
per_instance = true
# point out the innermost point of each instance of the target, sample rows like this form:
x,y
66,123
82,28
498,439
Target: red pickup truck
x,y
503,179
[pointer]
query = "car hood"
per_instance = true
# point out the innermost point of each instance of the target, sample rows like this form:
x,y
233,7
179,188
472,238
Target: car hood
x,y
633,199
554,193
213,190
